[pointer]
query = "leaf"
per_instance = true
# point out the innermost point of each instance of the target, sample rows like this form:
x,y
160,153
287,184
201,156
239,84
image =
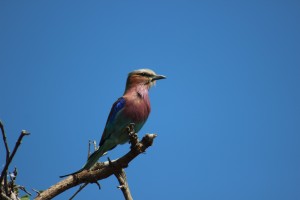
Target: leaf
x,y
25,197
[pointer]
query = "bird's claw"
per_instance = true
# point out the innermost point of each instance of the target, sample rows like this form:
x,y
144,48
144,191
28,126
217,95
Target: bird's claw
x,y
131,127
130,130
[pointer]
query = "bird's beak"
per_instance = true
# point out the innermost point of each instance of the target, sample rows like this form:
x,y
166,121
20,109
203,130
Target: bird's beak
x,y
158,77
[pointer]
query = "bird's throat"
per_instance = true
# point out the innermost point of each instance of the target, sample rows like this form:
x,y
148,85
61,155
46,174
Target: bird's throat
x,y
142,91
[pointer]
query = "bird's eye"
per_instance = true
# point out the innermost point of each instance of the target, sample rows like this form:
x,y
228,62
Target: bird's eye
x,y
144,74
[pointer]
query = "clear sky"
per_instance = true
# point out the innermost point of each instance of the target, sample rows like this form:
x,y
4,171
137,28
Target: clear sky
x,y
227,117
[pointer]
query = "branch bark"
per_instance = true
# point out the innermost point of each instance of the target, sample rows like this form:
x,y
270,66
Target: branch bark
x,y
121,176
100,171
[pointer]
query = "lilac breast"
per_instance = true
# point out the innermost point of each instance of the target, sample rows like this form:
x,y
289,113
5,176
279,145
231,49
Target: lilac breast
x,y
137,109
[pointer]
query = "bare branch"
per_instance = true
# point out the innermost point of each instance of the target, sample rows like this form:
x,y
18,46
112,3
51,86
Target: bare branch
x,y
99,172
7,156
80,188
24,189
36,191
18,143
121,176
4,140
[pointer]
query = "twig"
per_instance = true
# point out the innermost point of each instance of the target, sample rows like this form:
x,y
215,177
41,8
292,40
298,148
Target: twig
x,y
7,156
18,143
98,184
12,177
36,191
80,188
121,176
24,189
4,140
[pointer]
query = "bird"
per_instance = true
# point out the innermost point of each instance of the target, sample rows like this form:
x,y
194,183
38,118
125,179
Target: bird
x,y
132,108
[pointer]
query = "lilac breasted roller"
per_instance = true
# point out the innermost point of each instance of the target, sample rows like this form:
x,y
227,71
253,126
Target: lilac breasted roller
x,y
132,107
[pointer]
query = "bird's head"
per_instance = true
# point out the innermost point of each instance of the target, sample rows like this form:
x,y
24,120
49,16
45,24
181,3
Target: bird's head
x,y
145,77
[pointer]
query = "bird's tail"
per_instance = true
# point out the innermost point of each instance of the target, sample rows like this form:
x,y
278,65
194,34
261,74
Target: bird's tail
x,y
71,173
90,162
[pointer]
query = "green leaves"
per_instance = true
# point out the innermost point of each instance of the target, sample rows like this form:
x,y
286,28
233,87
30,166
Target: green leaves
x,y
25,197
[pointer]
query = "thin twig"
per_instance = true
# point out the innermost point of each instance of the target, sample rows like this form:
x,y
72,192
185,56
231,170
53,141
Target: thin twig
x,y
98,184
18,143
36,191
7,156
121,176
13,177
85,184
4,140
80,188
24,189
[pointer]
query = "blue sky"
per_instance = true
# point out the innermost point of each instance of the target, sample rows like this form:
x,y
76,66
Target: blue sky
x,y
227,117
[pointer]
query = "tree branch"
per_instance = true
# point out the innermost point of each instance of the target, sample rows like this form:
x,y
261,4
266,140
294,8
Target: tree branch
x,y
100,171
121,176
4,140
7,155
80,188
4,197
18,143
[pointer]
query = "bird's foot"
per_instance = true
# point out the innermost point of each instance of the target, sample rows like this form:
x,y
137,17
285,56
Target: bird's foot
x,y
132,134
133,138
130,127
